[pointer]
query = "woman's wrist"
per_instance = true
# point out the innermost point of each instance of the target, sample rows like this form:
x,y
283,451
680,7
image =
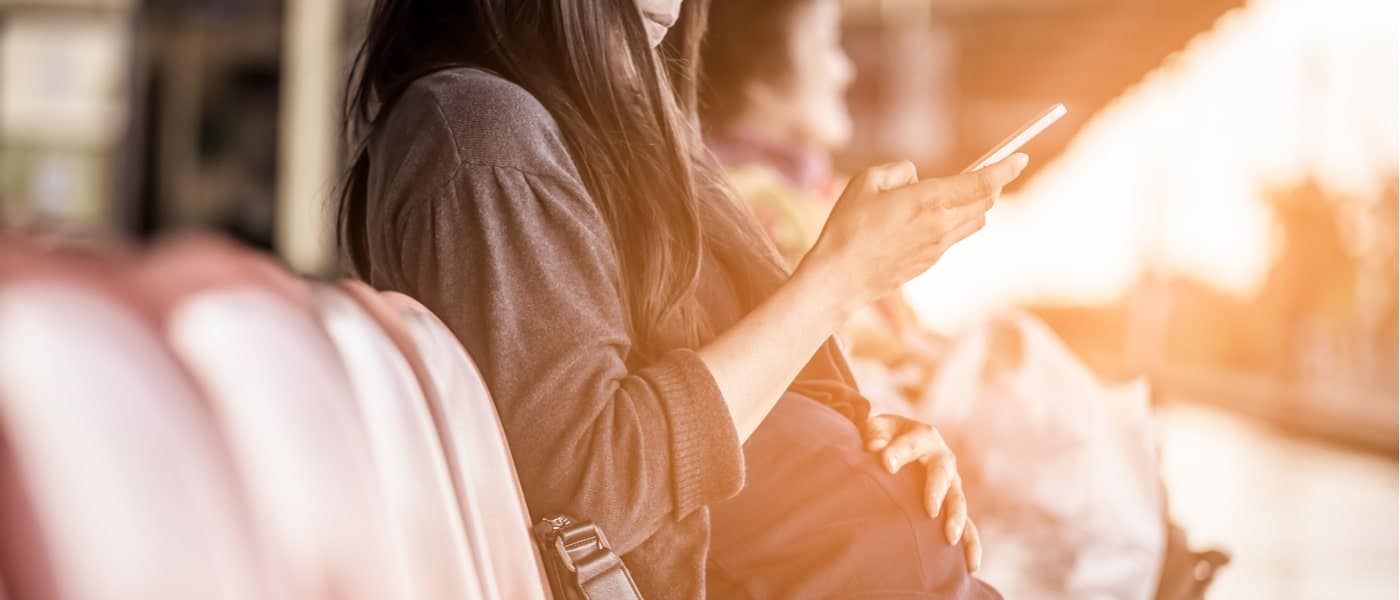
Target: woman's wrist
x,y
832,290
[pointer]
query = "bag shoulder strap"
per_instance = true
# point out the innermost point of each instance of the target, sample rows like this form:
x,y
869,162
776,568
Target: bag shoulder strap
x,y
582,550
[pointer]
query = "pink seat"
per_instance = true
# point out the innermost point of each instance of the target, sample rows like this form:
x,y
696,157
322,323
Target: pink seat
x,y
408,456
494,508
130,492
201,424
488,494
246,332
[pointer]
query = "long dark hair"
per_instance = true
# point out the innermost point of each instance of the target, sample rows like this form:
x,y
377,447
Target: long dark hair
x,y
628,115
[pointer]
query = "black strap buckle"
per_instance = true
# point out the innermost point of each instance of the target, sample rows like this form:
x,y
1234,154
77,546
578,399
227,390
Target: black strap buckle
x,y
575,542
583,550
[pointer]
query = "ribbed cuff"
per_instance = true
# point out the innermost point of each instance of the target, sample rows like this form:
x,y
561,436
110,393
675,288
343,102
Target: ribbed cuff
x,y
707,460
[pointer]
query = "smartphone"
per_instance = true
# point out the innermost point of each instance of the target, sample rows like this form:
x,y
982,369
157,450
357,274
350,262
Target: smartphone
x,y
1014,141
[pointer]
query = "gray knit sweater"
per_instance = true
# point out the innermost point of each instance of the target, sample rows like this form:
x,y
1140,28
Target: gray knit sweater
x,y
476,209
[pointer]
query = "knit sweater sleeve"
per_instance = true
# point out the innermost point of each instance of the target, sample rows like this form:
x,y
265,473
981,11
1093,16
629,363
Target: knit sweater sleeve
x,y
516,258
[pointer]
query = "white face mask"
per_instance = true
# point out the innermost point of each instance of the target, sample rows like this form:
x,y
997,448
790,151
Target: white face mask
x,y
658,16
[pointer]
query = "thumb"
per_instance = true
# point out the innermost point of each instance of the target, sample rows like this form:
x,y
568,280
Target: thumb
x,y
991,179
878,432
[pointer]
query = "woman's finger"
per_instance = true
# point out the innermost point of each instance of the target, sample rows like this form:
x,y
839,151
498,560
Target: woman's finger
x,y
889,176
997,175
908,446
879,430
972,547
941,475
955,507
967,188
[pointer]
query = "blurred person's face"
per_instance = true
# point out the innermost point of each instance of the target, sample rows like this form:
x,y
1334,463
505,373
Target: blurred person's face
x,y
658,16
809,105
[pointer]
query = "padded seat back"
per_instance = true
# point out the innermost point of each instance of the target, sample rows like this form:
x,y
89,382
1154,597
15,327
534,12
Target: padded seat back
x,y
196,422
404,445
247,333
130,491
493,505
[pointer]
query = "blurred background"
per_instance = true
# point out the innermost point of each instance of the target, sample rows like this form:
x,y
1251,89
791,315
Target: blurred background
x,y
1217,213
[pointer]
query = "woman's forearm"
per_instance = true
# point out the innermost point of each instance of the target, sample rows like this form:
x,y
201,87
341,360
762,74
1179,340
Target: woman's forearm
x,y
756,359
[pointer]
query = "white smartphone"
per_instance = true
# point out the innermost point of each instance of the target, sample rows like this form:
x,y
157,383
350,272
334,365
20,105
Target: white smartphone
x,y
1014,141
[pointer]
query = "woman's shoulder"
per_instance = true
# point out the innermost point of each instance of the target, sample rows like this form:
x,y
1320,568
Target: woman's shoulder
x,y
488,119
471,96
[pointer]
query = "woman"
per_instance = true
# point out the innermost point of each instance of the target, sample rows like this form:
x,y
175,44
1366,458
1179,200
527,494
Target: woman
x,y
1039,437
530,171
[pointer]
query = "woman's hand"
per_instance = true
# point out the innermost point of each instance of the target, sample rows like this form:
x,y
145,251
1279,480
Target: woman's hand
x,y
901,441
888,227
